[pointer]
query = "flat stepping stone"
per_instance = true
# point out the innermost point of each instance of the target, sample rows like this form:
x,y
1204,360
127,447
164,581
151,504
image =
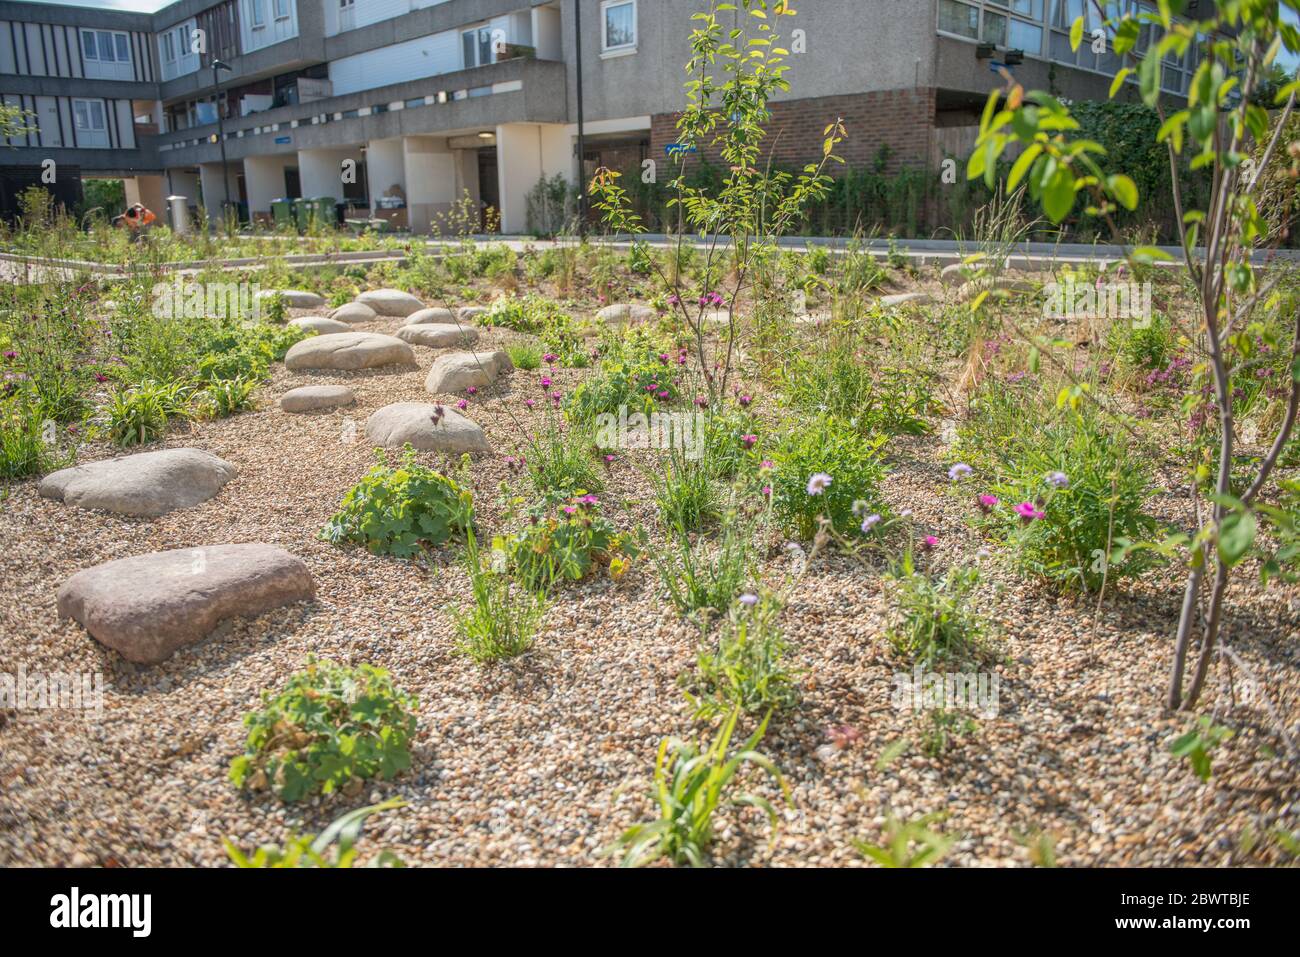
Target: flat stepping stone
x,y
622,313
293,298
906,299
146,484
471,313
148,606
954,274
348,350
354,312
319,324
312,398
395,425
391,302
438,336
457,371
435,314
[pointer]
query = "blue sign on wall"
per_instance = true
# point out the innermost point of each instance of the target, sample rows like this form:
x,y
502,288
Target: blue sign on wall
x,y
284,139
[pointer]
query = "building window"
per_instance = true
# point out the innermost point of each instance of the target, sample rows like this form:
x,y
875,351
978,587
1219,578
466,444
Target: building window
x,y
959,18
103,46
258,13
169,47
90,116
618,25
477,47
282,9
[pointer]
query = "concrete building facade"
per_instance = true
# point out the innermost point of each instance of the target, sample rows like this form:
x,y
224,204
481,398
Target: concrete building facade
x,y
398,108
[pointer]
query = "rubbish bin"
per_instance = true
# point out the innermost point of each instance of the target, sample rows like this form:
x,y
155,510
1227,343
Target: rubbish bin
x,y
282,213
301,213
324,210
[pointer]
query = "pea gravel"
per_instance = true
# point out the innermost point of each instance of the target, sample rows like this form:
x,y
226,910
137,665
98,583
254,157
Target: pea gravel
x,y
545,759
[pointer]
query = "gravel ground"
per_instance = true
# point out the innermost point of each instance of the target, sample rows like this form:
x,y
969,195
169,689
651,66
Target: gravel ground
x,y
545,759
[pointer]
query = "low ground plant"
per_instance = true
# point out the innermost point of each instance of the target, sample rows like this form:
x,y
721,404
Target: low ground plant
x,y
332,728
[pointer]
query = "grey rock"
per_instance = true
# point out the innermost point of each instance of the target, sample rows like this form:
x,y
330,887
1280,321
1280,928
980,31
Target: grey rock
x,y
293,298
319,324
348,350
622,313
391,302
906,298
394,425
354,312
432,315
311,398
457,371
148,606
471,313
146,484
438,336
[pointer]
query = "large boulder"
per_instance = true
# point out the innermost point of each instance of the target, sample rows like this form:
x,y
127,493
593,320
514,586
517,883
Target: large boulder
x,y
319,324
354,312
391,302
148,606
472,313
395,425
293,298
457,371
438,336
434,315
348,350
146,484
311,398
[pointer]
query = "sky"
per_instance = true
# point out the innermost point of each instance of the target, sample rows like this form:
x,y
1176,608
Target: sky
x,y
139,6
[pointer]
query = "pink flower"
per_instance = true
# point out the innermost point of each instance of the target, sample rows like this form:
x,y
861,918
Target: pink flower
x,y
674,300
462,405
745,400
766,465
928,543
100,377
610,457
546,382
472,390
767,491
748,441
1028,512
986,502
549,357
529,403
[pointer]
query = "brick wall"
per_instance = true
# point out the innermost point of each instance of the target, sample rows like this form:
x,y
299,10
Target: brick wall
x,y
901,119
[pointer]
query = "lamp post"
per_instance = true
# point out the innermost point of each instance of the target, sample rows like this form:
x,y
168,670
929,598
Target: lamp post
x,y
582,144
217,66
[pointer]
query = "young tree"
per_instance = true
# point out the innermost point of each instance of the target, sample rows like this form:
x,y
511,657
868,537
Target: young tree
x,y
1224,130
733,73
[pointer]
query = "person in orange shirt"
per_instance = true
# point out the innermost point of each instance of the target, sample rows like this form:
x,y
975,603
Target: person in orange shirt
x,y
136,218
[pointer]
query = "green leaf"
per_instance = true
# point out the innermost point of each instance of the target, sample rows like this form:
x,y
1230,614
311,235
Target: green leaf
x,y
1076,33
1021,165
1236,535
1058,194
1123,189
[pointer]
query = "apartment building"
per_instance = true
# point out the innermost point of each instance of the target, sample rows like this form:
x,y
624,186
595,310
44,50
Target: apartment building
x,y
399,107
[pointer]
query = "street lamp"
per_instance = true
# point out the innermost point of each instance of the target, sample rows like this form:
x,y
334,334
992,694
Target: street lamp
x,y
582,144
217,66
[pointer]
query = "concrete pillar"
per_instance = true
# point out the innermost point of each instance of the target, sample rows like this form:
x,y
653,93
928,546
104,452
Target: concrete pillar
x,y
264,181
527,152
432,179
210,176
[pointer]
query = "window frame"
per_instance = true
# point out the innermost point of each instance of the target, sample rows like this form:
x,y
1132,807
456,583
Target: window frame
x,y
88,102
94,53
276,6
622,48
257,14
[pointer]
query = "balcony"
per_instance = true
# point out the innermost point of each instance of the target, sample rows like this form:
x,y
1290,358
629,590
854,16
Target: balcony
x,y
520,90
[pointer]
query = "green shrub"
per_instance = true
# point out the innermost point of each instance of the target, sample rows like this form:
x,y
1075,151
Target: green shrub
x,y
839,379
559,461
400,510
636,385
225,397
746,666
685,492
933,621
566,543
825,447
332,728
504,617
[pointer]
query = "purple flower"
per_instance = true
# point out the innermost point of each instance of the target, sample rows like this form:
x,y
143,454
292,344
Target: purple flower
x,y
1028,511
960,471
546,382
472,390
10,354
818,483
462,405
870,522
748,441
1058,479
549,357
928,543
749,599
986,502
745,400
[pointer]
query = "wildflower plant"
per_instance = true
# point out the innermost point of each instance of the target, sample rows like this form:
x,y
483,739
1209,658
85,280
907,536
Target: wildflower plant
x,y
823,468
566,542
334,847
690,786
503,619
745,667
934,620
